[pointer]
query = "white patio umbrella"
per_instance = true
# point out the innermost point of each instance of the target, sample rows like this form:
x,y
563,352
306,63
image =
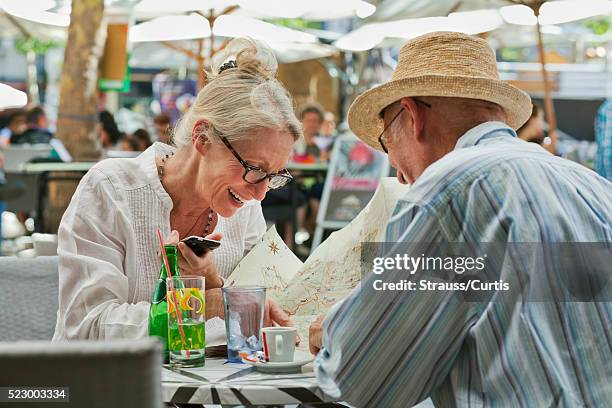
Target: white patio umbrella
x,y
11,97
196,27
216,18
35,11
314,10
155,8
317,10
15,27
371,35
541,12
156,55
287,52
229,25
189,27
30,19
473,22
554,12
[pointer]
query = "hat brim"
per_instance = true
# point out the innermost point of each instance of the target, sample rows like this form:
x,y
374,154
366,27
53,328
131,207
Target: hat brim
x,y
364,114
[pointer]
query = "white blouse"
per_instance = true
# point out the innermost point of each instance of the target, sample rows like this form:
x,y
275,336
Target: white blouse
x,y
108,264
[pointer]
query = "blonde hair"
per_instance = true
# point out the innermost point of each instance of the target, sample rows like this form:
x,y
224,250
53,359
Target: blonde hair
x,y
239,99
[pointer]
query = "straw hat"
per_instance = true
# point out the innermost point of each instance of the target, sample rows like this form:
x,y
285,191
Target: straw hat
x,y
439,64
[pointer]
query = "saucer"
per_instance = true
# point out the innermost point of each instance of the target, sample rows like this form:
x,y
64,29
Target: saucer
x,y
300,358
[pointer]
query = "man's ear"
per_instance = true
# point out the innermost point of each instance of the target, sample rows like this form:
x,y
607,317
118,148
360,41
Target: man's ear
x,y
199,135
416,121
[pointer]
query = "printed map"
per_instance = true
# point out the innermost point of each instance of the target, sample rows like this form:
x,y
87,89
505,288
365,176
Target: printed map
x,y
332,271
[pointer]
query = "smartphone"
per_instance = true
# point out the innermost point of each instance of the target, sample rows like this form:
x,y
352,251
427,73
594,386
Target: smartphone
x,y
201,245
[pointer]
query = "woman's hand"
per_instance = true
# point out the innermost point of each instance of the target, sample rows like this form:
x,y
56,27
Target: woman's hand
x,y
191,264
214,304
275,316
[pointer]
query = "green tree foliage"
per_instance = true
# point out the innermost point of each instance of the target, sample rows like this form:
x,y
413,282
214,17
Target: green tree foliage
x,y
599,26
36,45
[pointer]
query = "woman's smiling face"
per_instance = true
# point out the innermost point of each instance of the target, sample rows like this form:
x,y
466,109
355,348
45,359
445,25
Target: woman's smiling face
x,y
221,178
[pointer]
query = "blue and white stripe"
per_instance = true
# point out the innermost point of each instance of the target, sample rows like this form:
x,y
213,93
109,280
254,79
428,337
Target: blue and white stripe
x,y
396,348
603,138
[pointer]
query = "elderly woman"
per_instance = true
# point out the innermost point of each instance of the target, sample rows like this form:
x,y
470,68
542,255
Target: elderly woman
x,y
232,146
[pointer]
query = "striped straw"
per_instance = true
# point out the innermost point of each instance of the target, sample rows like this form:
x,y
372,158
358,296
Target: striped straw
x,y
176,309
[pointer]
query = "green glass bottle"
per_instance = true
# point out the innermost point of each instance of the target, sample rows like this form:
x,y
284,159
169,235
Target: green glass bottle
x,y
158,314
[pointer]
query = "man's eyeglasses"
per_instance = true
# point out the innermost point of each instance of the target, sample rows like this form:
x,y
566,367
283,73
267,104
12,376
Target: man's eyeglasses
x,y
380,138
255,175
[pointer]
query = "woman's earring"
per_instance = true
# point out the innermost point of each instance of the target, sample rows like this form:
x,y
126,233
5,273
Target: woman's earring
x,y
199,132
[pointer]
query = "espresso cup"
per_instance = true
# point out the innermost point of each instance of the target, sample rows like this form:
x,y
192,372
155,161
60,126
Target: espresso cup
x,y
279,344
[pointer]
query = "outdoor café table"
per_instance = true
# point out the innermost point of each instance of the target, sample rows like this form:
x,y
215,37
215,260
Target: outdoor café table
x,y
224,383
308,167
47,172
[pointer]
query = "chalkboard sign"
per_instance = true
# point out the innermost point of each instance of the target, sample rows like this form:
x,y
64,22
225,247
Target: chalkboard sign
x,y
352,178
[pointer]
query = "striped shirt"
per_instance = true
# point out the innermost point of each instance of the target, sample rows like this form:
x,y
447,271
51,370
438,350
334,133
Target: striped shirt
x,y
603,138
397,348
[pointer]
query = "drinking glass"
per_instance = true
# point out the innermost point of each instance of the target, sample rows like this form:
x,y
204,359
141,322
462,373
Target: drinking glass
x,y
186,320
244,313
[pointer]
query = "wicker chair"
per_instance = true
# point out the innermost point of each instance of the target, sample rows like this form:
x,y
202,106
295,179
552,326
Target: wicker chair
x,y
116,374
28,305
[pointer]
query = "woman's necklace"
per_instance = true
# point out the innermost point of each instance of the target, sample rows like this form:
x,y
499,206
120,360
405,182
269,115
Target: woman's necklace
x,y
161,175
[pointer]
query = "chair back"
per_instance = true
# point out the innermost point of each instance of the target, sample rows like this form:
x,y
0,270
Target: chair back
x,y
16,156
120,373
45,244
28,304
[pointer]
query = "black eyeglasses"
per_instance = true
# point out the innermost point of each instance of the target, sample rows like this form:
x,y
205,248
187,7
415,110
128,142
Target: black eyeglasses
x,y
380,139
255,175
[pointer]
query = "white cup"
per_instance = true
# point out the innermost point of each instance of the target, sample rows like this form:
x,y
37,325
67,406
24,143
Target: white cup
x,y
279,343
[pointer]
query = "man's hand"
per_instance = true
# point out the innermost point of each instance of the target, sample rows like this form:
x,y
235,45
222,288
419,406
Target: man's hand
x,y
315,335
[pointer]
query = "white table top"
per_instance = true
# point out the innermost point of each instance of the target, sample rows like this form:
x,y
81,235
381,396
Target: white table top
x,y
308,166
44,167
219,382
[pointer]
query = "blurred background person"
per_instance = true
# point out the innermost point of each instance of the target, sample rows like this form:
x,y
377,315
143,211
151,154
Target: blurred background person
x,y
129,143
14,124
533,129
603,138
2,203
306,150
327,134
108,130
161,123
329,125
309,150
184,102
37,128
9,189
143,139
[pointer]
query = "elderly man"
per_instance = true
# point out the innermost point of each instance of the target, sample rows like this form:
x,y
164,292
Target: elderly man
x,y
446,121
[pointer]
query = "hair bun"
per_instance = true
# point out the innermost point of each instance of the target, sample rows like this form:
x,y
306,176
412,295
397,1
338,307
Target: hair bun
x,y
249,56
228,65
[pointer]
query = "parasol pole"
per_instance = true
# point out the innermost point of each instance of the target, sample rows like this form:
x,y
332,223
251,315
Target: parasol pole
x,y
549,108
211,20
33,90
200,60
